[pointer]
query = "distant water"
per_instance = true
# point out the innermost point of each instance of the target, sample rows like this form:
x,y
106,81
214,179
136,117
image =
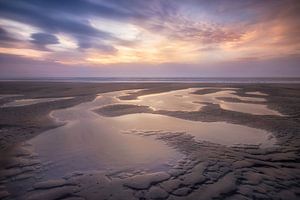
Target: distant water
x,y
160,79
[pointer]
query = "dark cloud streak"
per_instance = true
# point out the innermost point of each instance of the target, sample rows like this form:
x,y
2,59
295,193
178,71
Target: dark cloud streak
x,y
43,39
53,17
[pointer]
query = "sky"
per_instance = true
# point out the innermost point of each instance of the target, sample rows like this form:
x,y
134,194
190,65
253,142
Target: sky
x,y
149,38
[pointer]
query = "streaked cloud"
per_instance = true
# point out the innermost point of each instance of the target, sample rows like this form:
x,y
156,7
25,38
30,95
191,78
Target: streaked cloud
x,y
92,33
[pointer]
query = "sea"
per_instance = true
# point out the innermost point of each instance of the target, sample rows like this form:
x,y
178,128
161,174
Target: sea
x,y
160,79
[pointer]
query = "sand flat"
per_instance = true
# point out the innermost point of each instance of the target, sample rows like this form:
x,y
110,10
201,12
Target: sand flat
x,y
90,141
139,152
27,102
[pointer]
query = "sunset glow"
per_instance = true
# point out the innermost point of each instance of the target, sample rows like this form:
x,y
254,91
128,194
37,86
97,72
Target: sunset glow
x,y
189,34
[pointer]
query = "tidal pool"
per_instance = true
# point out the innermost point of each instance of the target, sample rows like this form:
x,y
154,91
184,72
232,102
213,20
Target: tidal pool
x,y
257,93
89,141
215,132
186,100
27,102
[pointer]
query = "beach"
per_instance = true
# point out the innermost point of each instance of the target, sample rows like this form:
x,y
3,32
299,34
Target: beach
x,y
154,140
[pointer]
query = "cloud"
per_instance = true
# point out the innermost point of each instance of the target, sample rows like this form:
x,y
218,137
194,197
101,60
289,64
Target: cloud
x,y
220,21
43,39
53,17
188,30
4,36
6,39
88,43
92,32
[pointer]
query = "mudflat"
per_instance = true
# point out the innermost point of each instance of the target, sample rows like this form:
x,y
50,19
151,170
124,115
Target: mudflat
x,y
149,141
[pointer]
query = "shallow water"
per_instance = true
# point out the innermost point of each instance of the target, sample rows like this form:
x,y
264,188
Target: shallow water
x,y
2,96
257,93
185,100
89,141
215,132
172,101
27,102
255,109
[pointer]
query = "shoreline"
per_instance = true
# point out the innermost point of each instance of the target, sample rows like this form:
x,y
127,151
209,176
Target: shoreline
x,y
222,80
37,115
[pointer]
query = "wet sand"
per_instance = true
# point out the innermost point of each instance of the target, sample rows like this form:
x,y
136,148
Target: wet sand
x,y
26,102
103,144
189,100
